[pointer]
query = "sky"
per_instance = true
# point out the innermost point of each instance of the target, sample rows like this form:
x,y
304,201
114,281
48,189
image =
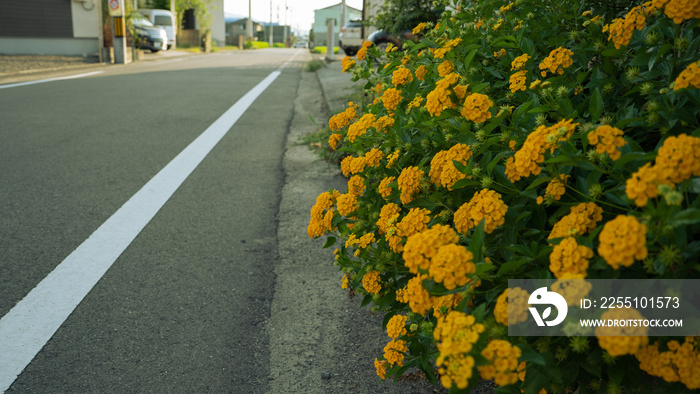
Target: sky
x,y
300,13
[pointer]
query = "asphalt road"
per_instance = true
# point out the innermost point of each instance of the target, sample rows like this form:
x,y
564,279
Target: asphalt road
x,y
183,308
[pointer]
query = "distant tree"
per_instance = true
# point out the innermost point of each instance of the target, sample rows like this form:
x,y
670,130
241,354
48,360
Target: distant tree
x,y
396,16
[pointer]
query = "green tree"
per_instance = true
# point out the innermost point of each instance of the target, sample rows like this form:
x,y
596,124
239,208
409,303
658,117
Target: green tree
x,y
396,16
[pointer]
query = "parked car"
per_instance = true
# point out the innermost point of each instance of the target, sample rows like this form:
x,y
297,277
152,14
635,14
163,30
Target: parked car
x,y
164,19
301,44
350,38
148,35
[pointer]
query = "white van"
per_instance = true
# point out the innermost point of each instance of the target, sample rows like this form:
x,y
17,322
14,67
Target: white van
x,y
164,19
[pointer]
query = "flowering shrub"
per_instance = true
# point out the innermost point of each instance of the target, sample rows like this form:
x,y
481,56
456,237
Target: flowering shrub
x,y
534,139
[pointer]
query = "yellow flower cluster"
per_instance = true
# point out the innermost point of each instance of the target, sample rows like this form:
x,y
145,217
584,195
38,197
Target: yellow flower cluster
x,y
353,165
347,63
680,363
360,127
396,326
451,265
678,159
519,62
394,351
356,185
334,139
323,207
380,366
568,257
526,161
421,71
688,77
442,169
557,61
582,219
456,334
392,158
362,52
401,76
347,204
387,217
384,189
500,53
518,81
679,10
618,341
391,98
518,299
383,123
419,300
370,281
439,98
555,189
415,103
441,52
622,241
607,139
485,205
342,119
507,7
476,107
503,362
419,28
572,287
414,222
421,247
409,183
445,68
621,29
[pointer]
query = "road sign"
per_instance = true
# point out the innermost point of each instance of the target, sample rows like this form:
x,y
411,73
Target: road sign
x,y
116,7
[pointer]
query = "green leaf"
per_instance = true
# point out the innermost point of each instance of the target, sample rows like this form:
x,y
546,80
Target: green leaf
x,y
596,107
329,242
616,372
684,218
541,108
512,265
531,356
468,59
477,241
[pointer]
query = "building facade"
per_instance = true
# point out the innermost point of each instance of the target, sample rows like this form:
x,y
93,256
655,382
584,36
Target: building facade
x,y
51,27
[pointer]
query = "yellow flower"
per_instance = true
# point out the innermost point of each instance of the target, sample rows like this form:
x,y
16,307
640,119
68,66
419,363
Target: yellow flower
x,y
421,71
391,98
568,257
356,185
572,287
347,204
622,241
370,281
401,76
607,139
679,158
682,10
518,299
392,158
383,123
518,81
422,246
419,299
557,61
643,184
387,217
394,351
519,62
442,169
503,362
680,363
582,219
618,341
363,51
409,183
415,221
419,28
384,189
334,139
324,203
360,127
445,68
347,63
343,119
396,326
500,53
451,265
456,334
555,188
688,77
485,205
476,107
380,366
415,103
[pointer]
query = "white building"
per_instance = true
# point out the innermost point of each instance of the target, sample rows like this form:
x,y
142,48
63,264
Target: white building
x,y
322,16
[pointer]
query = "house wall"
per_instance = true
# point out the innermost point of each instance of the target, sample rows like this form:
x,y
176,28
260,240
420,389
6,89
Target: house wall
x,y
322,16
218,24
52,27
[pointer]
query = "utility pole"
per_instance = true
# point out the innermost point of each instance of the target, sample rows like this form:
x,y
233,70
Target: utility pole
x,y
249,29
271,30
285,23
342,14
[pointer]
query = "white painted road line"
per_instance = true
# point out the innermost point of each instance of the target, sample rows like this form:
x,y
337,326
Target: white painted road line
x,y
34,320
14,85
